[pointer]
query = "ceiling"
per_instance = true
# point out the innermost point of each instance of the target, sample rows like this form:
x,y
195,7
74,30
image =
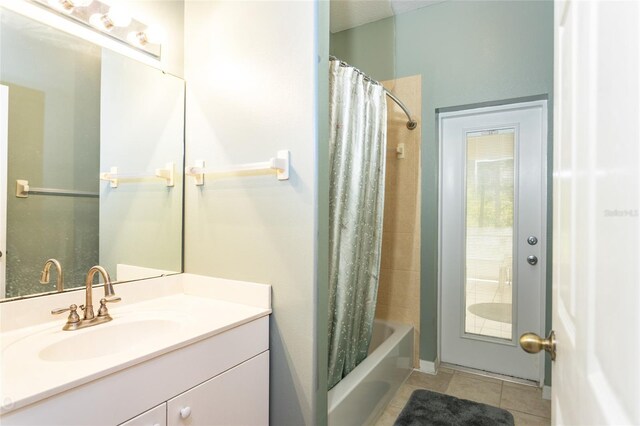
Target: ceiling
x,y
347,14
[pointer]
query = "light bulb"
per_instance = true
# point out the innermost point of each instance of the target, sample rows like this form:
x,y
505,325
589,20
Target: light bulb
x,y
100,21
119,16
138,38
67,6
155,35
64,6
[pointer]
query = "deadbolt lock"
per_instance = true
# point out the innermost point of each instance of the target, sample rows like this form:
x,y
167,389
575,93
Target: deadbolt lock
x,y
532,240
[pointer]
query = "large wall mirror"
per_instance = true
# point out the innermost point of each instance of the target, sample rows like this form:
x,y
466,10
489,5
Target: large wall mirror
x,y
91,160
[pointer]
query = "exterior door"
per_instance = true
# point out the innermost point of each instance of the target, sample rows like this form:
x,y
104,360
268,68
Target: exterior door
x,y
4,137
492,219
596,265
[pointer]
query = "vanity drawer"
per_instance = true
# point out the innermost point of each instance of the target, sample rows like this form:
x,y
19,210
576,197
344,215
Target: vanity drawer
x,y
155,417
239,396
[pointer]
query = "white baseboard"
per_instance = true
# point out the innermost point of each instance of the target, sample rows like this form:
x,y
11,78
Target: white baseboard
x,y
546,392
429,367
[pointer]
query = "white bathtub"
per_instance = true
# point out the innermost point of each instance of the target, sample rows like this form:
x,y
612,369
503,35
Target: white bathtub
x,y
359,398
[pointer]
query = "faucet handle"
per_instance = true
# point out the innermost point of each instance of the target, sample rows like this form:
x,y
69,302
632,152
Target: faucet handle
x,y
73,314
71,308
103,311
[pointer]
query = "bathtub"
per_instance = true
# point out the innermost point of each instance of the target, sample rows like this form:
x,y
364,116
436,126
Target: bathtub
x,y
359,398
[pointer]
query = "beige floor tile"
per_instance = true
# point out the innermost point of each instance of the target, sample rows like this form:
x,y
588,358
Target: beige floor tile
x,y
435,382
524,419
466,386
389,416
526,399
402,396
445,370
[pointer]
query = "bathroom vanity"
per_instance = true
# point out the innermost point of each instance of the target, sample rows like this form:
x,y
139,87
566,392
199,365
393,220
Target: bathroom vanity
x,y
195,353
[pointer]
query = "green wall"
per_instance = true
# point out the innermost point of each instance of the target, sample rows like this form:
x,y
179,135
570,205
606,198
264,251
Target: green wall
x,y
467,53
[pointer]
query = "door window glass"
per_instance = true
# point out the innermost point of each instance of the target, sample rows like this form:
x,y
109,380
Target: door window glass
x,y
490,177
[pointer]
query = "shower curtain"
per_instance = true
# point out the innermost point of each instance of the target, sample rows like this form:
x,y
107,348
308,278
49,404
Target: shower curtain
x,y
358,133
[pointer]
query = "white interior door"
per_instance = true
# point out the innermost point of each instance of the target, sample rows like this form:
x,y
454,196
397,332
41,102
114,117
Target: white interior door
x,y
596,265
4,134
492,222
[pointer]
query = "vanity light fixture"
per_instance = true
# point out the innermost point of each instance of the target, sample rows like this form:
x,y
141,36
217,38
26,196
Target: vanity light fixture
x,y
114,21
67,6
115,17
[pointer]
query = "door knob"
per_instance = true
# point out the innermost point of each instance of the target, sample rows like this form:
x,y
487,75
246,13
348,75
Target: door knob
x,y
532,260
533,344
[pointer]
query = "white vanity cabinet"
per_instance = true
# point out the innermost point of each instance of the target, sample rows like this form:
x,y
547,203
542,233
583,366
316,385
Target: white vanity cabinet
x,y
218,380
196,353
239,396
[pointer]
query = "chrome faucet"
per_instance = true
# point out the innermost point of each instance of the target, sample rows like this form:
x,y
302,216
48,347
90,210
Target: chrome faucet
x,y
45,275
89,319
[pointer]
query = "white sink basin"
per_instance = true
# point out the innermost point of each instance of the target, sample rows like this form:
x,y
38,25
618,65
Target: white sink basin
x,y
128,332
113,337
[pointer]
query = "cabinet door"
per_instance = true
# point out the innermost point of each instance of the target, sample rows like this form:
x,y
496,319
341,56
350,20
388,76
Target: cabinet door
x,y
155,417
239,396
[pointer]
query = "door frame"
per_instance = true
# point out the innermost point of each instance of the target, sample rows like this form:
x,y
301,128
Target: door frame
x,y
491,107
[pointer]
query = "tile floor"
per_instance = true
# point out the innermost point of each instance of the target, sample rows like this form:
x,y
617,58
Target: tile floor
x,y
524,402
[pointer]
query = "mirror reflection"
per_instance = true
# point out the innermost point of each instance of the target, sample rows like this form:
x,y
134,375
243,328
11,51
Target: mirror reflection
x,y
91,170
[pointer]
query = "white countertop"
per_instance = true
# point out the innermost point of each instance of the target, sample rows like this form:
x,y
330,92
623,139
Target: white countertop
x,y
42,360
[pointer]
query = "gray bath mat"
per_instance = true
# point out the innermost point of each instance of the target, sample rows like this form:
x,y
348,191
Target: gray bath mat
x,y
432,408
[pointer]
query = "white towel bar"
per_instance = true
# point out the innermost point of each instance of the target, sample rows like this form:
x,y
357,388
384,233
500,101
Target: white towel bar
x,y
280,164
166,173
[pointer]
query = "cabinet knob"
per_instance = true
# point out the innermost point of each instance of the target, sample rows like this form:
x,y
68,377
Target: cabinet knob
x,y
185,412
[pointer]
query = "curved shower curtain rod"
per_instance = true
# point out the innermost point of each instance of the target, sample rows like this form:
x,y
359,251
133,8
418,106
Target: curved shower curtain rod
x,y
411,124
